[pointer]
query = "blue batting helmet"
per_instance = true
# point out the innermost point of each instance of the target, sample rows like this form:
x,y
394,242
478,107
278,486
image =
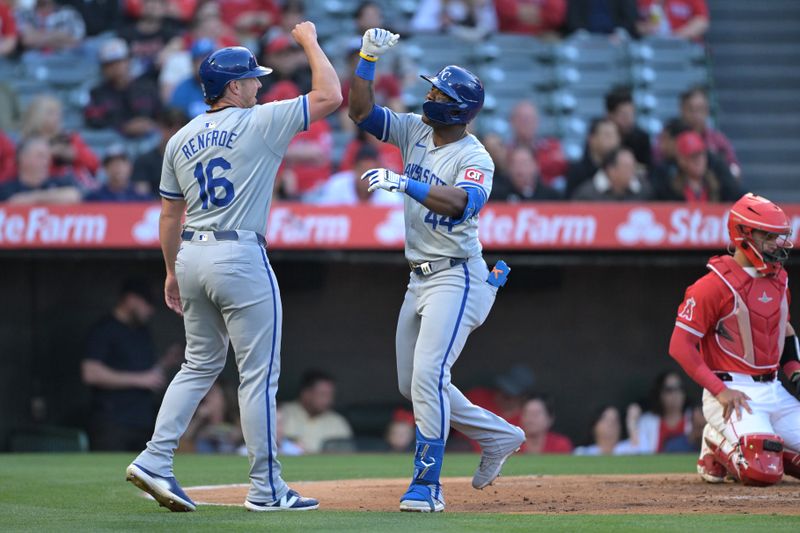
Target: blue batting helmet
x,y
225,65
463,87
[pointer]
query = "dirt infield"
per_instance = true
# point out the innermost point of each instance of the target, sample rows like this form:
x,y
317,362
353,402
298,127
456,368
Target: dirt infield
x,y
628,494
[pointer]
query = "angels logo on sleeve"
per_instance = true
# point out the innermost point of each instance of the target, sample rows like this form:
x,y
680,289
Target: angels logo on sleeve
x,y
473,174
687,312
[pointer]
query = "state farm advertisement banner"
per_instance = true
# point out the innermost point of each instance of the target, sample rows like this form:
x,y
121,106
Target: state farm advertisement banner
x,y
533,226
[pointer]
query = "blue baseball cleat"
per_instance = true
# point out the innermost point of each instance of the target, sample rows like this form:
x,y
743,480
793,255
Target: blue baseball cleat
x,y
291,501
166,490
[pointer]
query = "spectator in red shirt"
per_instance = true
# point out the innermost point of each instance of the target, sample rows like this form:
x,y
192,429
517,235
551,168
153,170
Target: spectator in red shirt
x,y
695,112
687,19
8,29
8,158
33,183
531,17
695,180
250,19
524,119
538,416
71,155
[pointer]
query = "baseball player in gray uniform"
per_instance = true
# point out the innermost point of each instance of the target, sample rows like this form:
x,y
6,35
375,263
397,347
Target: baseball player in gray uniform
x,y
447,179
220,169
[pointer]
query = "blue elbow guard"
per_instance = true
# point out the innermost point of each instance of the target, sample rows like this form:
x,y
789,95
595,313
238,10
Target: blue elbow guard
x,y
417,190
377,123
475,200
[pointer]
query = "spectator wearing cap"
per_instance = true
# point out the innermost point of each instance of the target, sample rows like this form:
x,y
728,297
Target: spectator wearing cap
x,y
602,139
151,38
71,156
46,26
621,110
121,101
686,19
347,188
524,182
538,417
695,113
694,180
549,155
147,166
118,168
121,368
288,63
542,18
188,95
33,183
8,29
615,181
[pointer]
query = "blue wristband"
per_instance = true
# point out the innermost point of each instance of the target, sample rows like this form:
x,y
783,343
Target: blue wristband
x,y
417,190
365,69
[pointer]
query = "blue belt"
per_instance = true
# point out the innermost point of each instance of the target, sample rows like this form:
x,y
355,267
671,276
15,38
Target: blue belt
x,y
431,267
223,235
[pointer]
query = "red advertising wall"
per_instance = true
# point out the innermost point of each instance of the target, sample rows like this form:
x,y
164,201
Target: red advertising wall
x,y
534,226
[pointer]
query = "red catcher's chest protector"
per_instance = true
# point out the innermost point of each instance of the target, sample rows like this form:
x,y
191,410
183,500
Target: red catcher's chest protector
x,y
755,330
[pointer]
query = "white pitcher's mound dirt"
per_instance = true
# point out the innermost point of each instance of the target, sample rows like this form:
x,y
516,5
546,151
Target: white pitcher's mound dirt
x,y
634,494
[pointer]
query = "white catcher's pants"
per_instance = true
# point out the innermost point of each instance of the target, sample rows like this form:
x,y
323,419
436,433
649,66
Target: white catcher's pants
x,y
775,411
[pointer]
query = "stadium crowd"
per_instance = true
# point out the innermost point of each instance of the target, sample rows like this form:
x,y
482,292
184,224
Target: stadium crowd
x,y
147,53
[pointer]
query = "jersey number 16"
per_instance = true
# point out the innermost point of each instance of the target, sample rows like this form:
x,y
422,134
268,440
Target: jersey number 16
x,y
209,184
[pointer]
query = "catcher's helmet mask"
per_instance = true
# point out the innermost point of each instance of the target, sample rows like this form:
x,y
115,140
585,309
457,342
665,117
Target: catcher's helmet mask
x,y
755,213
226,65
465,91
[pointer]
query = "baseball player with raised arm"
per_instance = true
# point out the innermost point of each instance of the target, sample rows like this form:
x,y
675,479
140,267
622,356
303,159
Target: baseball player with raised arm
x,y
731,335
446,181
220,169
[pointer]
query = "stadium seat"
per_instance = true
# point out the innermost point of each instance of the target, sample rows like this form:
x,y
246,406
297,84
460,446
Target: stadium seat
x,y
48,439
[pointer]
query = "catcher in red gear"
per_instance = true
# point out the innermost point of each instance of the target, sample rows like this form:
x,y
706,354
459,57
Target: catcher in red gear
x,y
731,336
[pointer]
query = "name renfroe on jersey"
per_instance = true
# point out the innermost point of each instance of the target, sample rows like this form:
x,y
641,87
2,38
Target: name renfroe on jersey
x,y
227,189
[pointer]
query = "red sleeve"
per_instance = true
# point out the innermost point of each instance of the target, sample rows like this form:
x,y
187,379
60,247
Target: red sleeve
x,y
506,13
683,348
84,156
700,309
8,158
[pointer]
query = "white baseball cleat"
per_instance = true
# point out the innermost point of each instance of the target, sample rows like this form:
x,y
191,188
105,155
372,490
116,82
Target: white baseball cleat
x,y
492,461
165,490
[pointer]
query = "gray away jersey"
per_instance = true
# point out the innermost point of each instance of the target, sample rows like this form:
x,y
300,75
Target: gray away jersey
x,y
464,163
224,163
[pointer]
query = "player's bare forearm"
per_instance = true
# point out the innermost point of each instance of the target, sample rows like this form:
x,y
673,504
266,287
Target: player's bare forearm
x,y
446,200
169,231
694,29
361,99
326,91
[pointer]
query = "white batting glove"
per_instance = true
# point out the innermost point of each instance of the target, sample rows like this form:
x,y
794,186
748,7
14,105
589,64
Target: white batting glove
x,y
382,178
376,42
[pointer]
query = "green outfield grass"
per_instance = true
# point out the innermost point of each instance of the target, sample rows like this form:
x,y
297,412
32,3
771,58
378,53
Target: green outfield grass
x,y
87,492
